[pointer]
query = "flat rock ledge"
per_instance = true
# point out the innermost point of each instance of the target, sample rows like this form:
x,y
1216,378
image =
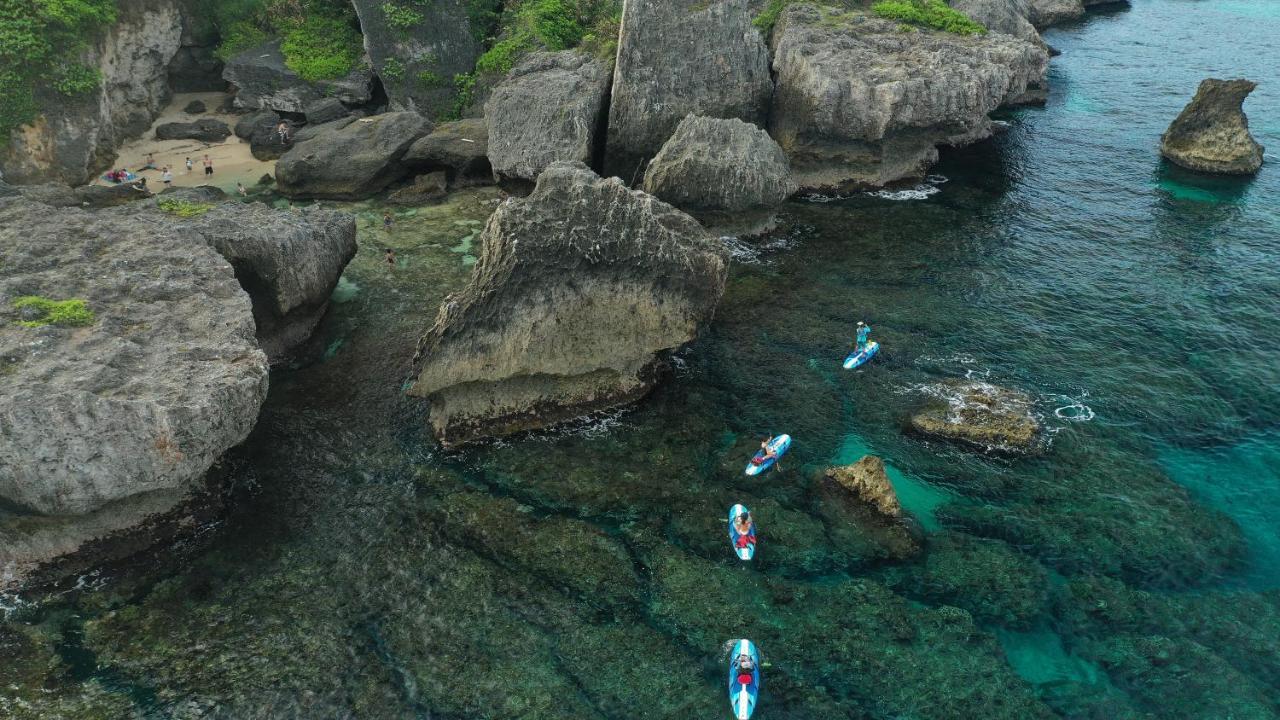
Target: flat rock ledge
x,y
580,291
979,414
1212,132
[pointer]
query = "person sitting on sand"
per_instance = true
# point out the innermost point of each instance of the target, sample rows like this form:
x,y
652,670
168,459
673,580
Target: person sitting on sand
x,y
150,163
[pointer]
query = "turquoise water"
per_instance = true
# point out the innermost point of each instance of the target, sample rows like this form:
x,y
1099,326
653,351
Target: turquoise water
x,y
1126,569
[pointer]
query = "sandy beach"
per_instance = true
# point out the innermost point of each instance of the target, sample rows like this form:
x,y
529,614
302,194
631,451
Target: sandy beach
x,y
232,161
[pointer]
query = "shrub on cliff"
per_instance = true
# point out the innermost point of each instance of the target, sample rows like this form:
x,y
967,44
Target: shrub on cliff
x,y
39,43
933,14
320,37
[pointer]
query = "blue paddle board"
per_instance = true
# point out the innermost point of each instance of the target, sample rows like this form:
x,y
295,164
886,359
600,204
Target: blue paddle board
x,y
779,446
744,687
858,358
744,546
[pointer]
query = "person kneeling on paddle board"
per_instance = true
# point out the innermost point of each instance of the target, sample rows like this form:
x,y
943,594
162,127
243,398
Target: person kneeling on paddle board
x,y
863,331
746,533
766,453
746,665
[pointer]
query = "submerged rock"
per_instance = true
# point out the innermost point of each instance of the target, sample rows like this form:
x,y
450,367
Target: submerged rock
x,y
352,160
681,57
460,148
980,414
1212,133
206,130
424,189
727,173
863,515
263,82
548,108
579,290
868,481
859,102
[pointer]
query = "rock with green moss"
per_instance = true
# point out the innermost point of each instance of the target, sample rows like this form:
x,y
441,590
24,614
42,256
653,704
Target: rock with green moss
x,y
264,81
36,684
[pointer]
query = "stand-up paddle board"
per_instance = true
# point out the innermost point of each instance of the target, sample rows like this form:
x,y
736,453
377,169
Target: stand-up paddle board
x,y
743,545
744,685
759,463
858,358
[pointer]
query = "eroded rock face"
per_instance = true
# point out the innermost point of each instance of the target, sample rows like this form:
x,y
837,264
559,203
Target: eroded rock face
x,y
860,103
166,378
548,108
727,173
1003,16
417,63
681,57
868,482
263,82
205,130
1212,132
1043,13
77,138
460,148
349,161
979,414
579,290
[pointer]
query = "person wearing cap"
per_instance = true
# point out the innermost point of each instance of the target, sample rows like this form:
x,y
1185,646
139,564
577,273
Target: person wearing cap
x,y
863,331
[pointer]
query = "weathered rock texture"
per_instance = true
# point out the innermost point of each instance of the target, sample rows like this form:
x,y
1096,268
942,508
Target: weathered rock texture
x,y
1003,16
424,189
146,398
77,137
1043,13
548,108
727,173
206,130
196,67
980,414
579,290
460,148
861,103
1212,133
868,482
681,57
417,64
350,161
263,82
259,128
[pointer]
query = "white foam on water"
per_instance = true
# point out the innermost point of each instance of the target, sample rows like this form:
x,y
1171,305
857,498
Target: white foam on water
x,y
919,192
745,253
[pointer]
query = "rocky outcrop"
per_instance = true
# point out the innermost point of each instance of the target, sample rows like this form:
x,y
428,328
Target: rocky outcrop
x,y
263,82
196,66
460,148
682,57
205,130
424,189
548,108
980,414
77,137
417,63
84,196
326,110
1212,133
1003,16
195,107
860,103
579,291
350,161
727,173
868,481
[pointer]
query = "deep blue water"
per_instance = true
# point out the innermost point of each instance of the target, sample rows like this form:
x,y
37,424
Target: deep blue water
x,y
1129,568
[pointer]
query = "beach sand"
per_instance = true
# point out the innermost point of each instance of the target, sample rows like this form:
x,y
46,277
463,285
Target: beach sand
x,y
232,161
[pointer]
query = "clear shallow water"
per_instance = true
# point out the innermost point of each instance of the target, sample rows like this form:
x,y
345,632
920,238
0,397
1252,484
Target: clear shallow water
x,y
584,572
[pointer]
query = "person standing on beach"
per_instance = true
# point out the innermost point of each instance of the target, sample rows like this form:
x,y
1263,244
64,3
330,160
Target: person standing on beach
x,y
208,166
167,177
188,166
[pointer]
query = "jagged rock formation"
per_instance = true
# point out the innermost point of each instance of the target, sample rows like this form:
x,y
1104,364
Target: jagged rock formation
x,y
349,161
205,130
979,414
417,63
727,173
263,82
863,513
460,148
681,57
87,196
1003,16
1212,132
548,108
73,141
424,189
196,67
326,110
868,481
1043,13
579,290
861,103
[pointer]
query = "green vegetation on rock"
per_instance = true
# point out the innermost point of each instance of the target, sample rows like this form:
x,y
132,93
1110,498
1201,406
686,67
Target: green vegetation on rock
x,y
320,38
184,208
933,14
40,41
62,313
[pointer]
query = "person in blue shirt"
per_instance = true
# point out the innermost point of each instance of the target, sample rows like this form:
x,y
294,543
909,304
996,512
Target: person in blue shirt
x,y
863,331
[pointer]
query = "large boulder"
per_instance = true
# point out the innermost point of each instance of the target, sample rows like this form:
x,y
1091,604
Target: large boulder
x,y
681,57
76,138
460,148
868,481
1212,132
580,290
326,110
727,173
205,130
350,161
548,108
418,61
1003,16
263,82
259,128
980,414
861,103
